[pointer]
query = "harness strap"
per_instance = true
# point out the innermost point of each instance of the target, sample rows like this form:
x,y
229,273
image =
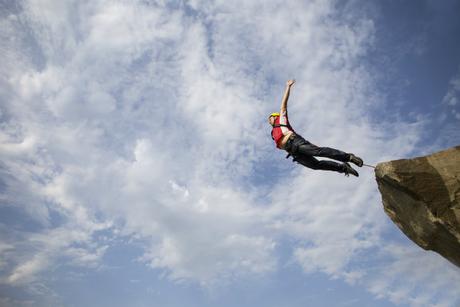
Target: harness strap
x,y
277,126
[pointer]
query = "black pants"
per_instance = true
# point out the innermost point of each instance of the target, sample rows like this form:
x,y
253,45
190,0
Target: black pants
x,y
304,152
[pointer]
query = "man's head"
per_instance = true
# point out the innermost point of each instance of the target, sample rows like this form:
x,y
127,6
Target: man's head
x,y
272,117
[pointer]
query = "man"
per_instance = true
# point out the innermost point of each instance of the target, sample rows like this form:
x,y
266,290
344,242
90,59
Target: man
x,y
303,151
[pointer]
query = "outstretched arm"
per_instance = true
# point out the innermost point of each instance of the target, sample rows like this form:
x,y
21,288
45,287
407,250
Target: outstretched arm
x,y
289,83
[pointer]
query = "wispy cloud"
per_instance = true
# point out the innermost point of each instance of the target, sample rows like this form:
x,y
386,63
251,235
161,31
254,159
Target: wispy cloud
x,y
452,97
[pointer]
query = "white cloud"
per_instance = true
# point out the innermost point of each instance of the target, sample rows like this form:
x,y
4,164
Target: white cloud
x,y
452,97
24,272
399,279
150,121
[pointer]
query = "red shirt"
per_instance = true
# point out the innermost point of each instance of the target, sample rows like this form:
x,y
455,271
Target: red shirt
x,y
280,128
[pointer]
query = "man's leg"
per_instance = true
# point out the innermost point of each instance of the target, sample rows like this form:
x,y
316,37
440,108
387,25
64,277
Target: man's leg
x,y
304,147
313,163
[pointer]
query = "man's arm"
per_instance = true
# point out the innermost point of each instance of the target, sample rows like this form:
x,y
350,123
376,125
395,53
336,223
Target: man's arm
x,y
289,83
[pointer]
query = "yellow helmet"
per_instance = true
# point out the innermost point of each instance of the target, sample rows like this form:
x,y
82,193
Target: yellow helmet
x,y
274,114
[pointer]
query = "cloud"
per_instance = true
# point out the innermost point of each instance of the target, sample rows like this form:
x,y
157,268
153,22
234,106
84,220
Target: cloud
x,y
399,279
452,97
37,252
148,121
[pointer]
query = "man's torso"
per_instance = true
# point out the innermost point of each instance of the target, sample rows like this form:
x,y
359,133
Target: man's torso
x,y
285,130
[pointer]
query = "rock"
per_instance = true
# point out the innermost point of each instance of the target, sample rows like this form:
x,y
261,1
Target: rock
x,y
422,197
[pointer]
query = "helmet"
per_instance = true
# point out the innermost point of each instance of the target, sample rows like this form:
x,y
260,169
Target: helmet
x,y
274,114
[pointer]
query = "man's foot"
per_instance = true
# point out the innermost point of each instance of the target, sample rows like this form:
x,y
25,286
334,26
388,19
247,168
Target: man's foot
x,y
347,169
356,160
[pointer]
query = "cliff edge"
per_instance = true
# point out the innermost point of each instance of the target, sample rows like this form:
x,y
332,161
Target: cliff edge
x,y
422,197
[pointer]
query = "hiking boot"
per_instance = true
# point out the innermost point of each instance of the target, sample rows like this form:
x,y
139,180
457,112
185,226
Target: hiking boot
x,y
347,169
356,160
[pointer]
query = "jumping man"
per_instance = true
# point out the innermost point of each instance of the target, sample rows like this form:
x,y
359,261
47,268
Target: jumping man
x,y
303,151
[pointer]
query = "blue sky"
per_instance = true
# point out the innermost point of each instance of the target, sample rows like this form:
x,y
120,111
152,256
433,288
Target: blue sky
x,y
137,167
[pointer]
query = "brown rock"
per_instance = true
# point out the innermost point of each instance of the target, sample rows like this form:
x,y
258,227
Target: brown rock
x,y
422,197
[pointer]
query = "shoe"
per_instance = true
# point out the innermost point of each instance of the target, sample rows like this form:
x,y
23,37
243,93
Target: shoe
x,y
347,169
356,160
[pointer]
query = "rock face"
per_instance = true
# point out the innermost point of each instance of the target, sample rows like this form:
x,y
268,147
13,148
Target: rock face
x,y
422,197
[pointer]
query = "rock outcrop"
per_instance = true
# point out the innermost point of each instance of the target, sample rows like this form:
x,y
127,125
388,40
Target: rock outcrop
x,y
422,197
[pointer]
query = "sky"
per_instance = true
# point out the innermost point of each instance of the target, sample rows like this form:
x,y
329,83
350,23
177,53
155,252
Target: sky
x,y
137,167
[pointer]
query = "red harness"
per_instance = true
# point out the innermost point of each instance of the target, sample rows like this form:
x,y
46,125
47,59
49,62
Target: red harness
x,y
277,132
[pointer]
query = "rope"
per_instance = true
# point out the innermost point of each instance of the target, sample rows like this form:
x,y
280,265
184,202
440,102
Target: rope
x,y
368,165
